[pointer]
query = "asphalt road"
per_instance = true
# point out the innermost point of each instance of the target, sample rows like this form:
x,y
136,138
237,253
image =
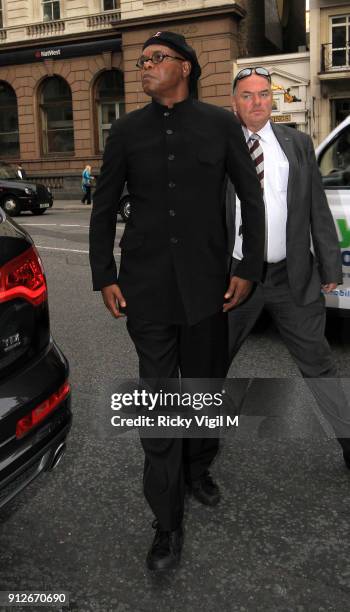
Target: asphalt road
x,y
279,538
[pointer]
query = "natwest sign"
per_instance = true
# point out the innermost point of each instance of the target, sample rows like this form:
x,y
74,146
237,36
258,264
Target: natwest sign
x,y
64,51
47,53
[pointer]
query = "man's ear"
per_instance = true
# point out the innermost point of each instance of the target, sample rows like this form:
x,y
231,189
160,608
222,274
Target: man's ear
x,y
233,103
186,68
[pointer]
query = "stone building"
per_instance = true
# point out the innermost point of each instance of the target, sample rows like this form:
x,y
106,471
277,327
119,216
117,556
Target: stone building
x,y
329,65
67,68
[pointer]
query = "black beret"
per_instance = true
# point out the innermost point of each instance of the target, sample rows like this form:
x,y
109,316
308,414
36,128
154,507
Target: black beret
x,y
179,44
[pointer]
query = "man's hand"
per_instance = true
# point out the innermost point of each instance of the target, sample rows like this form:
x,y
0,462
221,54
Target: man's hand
x,y
238,290
113,299
329,287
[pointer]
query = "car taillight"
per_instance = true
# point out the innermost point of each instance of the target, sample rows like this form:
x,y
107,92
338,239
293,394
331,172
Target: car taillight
x,y
23,277
38,414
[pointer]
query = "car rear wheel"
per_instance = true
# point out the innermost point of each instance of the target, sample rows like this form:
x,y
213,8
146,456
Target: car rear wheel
x,y
11,206
125,208
39,211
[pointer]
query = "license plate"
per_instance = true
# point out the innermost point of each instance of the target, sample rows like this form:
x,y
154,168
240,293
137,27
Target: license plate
x,y
44,205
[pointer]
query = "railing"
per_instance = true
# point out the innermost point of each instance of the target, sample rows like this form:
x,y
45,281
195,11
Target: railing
x,y
334,59
102,20
54,182
47,28
53,28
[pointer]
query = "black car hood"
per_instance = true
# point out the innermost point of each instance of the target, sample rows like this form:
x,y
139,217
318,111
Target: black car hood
x,y
8,183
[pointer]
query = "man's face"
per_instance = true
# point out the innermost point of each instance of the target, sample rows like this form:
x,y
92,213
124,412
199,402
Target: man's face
x,y
163,79
252,101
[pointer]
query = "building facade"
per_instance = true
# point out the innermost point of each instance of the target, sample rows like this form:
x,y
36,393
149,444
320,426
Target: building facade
x,y
329,65
67,68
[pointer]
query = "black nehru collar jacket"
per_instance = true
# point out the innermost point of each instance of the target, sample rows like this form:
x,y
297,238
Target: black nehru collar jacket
x,y
174,248
177,108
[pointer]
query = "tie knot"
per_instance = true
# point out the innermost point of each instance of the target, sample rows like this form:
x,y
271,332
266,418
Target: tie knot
x,y
254,137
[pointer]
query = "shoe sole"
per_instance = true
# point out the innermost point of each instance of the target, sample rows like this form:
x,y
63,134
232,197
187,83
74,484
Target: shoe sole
x,y
213,502
154,567
210,504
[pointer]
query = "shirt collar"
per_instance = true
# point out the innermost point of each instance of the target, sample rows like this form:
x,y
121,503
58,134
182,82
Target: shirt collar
x,y
266,132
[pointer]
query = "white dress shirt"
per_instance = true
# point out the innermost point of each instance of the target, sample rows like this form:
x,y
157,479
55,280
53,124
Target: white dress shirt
x,y
276,171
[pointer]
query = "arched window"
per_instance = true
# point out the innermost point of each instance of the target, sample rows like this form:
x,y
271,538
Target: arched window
x,y
56,116
9,137
110,102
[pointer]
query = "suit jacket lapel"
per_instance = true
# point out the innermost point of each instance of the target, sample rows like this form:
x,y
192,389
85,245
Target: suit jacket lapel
x,y
286,142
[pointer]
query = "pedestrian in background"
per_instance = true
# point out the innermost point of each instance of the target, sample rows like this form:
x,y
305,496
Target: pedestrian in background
x,y
86,185
20,172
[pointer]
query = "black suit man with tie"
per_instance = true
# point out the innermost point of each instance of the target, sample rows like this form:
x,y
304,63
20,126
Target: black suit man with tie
x,y
296,209
174,154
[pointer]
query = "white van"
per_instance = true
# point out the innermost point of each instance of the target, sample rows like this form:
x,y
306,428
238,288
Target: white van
x,y
333,156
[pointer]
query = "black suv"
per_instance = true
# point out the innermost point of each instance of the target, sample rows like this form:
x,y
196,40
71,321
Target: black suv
x,y
18,194
35,415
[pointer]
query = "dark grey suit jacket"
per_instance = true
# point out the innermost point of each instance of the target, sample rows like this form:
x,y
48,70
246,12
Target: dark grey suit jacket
x,y
308,215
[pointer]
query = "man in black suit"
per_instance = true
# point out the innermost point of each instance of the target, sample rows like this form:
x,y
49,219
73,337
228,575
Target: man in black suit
x,y
174,154
296,209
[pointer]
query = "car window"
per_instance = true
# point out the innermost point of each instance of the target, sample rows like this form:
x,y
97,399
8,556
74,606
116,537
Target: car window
x,y
335,161
7,171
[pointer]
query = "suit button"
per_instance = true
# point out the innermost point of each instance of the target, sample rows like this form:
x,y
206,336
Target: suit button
x,y
171,185
174,240
171,157
169,132
166,114
172,212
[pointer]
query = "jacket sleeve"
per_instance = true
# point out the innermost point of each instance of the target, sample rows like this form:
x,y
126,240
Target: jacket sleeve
x,y
103,221
242,173
323,232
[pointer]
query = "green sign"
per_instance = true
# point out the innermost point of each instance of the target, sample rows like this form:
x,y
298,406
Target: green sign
x,y
344,232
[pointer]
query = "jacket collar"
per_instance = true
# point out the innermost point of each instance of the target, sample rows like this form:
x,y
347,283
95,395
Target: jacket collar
x,y
177,108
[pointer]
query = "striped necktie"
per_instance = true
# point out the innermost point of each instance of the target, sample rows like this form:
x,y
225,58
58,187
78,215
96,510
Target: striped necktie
x,y
257,156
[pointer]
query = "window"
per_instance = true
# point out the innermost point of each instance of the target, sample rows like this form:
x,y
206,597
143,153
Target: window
x,y
110,5
1,16
51,10
340,41
340,110
335,161
109,101
56,116
7,172
9,136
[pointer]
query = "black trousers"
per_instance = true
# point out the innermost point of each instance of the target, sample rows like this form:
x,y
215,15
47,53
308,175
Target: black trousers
x,y
165,351
87,195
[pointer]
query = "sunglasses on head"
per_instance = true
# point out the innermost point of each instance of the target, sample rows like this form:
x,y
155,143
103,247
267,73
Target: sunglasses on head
x,y
246,72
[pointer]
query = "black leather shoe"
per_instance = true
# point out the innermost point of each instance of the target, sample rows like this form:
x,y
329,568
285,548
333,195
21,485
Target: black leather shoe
x,y
345,444
165,552
206,490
